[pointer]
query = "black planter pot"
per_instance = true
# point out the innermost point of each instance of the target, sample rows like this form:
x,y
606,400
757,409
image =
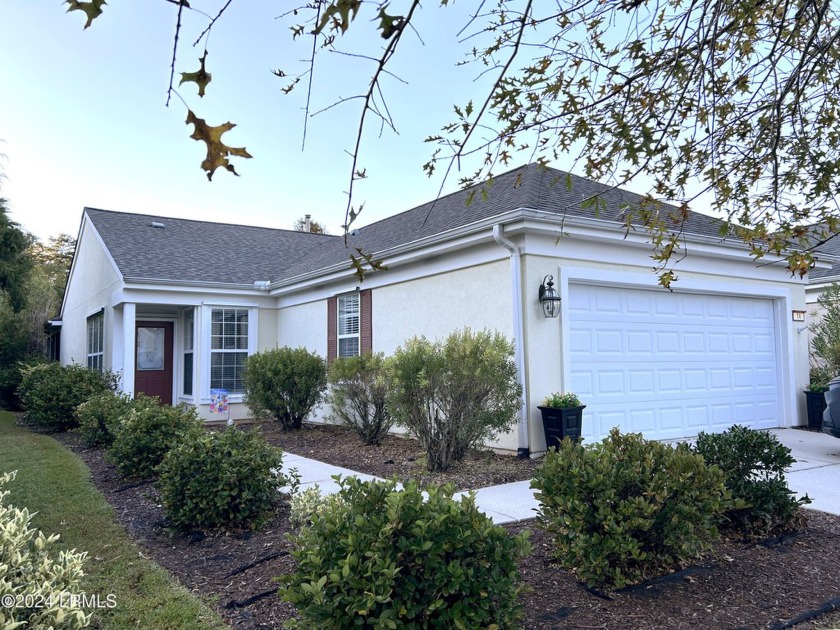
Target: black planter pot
x,y
561,422
815,405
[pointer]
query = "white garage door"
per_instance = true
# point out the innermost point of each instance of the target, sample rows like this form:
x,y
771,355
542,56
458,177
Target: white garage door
x,y
669,365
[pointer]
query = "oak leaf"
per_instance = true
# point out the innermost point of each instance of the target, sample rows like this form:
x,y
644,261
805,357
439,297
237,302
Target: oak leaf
x,y
200,77
217,151
92,9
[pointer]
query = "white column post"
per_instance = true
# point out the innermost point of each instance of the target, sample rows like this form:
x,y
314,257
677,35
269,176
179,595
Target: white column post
x,y
129,340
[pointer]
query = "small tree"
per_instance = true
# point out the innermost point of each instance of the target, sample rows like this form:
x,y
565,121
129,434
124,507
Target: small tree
x,y
454,394
825,340
306,224
284,383
357,395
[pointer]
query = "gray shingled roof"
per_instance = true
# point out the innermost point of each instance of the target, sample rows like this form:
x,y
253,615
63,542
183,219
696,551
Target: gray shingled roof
x,y
527,187
831,247
213,252
200,251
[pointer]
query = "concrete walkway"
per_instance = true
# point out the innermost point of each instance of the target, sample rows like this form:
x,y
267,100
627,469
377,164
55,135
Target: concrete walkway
x,y
815,473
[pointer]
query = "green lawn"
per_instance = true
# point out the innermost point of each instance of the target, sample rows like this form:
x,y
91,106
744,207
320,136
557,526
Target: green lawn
x,y
54,482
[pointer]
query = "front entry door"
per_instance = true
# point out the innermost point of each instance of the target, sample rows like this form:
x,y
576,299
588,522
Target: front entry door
x,y
153,362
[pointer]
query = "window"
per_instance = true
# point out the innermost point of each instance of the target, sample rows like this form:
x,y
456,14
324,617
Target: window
x,y
95,341
228,348
348,325
189,342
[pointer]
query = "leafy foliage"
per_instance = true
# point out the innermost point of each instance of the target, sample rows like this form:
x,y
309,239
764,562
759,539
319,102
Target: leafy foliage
x,y
382,558
100,416
825,334
219,479
754,463
33,570
217,151
284,383
561,400
311,502
92,9
147,433
454,394
315,227
626,509
51,392
358,389
15,263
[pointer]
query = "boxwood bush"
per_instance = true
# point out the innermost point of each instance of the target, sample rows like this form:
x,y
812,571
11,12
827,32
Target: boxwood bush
x,y
358,388
382,558
754,463
220,478
284,384
626,509
147,433
32,568
50,393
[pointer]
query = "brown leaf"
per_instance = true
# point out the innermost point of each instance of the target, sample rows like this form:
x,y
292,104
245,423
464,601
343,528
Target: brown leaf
x,y
217,151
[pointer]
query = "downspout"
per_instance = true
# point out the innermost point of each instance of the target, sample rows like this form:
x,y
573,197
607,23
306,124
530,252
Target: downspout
x,y
518,333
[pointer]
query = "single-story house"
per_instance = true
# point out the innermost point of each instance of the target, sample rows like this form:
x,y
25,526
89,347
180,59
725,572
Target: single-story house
x,y
175,306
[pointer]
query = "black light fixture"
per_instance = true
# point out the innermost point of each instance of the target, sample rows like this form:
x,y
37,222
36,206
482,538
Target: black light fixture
x,y
549,298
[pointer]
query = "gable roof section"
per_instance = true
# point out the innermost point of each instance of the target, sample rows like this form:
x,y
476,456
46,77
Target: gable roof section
x,y
529,187
832,248
199,251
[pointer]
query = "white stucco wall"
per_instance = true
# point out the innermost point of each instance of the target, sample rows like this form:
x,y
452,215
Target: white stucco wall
x,y
92,282
619,263
304,325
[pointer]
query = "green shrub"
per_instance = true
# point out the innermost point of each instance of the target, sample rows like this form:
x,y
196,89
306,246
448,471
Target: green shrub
x,y
100,416
11,376
626,509
223,478
825,334
147,433
285,384
754,464
454,394
37,575
358,387
50,393
308,503
383,558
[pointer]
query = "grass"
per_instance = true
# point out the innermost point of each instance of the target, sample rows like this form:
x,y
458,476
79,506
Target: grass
x,y
56,484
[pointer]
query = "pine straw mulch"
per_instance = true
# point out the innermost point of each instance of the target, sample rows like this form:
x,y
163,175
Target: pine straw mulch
x,y
740,585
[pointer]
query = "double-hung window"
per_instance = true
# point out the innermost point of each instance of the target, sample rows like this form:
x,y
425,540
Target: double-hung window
x,y
348,325
96,341
228,348
189,352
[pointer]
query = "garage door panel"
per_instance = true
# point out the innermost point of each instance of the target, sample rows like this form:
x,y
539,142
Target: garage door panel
x,y
691,363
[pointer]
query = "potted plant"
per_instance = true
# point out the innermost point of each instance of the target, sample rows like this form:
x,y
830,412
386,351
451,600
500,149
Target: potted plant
x,y
562,415
815,396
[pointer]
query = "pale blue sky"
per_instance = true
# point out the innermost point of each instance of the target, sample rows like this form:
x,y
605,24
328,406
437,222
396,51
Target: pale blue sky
x,y
83,121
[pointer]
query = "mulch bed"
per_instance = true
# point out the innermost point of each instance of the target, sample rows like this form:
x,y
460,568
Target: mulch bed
x,y
740,585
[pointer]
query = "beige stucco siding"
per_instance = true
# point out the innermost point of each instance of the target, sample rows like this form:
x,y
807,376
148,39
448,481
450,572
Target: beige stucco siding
x,y
304,325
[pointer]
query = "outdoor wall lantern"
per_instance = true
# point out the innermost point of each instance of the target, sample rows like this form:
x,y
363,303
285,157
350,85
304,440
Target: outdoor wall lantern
x,y
549,298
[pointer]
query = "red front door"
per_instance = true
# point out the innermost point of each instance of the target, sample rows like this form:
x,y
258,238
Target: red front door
x,y
153,360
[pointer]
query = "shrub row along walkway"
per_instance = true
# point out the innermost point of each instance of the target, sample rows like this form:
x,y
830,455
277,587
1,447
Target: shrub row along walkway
x,y
816,473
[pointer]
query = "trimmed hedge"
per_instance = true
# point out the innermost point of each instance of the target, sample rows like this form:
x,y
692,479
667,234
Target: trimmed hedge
x,y
377,557
627,509
219,479
358,388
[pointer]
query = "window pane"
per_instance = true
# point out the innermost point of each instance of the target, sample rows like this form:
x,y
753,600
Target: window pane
x,y
150,350
226,371
348,347
188,373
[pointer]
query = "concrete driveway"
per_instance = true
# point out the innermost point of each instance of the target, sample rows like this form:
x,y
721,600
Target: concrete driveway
x,y
817,468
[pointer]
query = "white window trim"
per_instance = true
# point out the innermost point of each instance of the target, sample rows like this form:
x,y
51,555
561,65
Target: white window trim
x,y
180,350
204,353
358,334
100,316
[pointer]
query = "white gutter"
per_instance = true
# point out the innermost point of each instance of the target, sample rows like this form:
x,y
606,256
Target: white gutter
x,y
518,332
